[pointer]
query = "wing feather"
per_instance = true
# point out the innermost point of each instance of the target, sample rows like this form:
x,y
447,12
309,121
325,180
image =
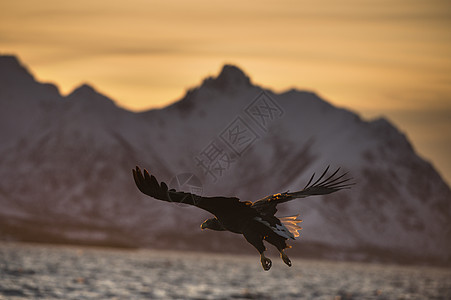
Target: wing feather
x,y
149,185
320,186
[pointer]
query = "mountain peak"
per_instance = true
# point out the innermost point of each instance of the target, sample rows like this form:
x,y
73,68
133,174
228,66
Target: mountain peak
x,y
231,72
12,71
89,95
8,60
84,89
230,77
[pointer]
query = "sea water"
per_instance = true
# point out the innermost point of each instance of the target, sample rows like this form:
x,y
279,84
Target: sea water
x,y
31,271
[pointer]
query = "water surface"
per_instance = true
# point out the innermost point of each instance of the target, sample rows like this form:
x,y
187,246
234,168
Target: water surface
x,y
67,272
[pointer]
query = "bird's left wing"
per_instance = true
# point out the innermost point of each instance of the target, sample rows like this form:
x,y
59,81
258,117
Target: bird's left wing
x,y
149,185
322,186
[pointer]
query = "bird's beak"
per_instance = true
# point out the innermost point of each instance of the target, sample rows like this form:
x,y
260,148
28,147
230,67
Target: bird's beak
x,y
202,226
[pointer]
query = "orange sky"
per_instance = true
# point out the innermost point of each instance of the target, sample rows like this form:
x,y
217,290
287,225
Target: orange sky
x,y
376,57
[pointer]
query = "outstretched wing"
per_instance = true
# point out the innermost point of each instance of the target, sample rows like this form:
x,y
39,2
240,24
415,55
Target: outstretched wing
x,y
149,185
322,186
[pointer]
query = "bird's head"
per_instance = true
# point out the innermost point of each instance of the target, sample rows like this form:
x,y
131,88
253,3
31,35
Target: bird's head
x,y
212,224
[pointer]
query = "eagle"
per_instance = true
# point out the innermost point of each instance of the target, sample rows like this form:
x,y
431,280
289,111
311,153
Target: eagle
x,y
256,221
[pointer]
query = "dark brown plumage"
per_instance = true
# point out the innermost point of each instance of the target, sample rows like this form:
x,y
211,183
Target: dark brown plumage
x,y
255,220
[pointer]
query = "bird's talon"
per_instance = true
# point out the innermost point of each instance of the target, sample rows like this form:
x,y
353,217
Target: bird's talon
x,y
285,259
266,262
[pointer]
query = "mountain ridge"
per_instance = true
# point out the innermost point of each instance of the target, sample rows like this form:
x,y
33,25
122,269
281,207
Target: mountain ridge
x,y
74,161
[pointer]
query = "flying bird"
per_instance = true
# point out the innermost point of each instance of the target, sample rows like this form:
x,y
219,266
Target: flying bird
x,y
256,221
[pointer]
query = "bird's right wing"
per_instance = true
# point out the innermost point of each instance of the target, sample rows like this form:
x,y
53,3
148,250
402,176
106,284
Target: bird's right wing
x,y
149,185
321,186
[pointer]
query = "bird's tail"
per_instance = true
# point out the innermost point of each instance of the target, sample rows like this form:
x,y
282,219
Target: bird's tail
x,y
291,223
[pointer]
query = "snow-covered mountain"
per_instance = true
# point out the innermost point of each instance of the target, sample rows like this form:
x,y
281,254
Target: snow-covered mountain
x,y
66,163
